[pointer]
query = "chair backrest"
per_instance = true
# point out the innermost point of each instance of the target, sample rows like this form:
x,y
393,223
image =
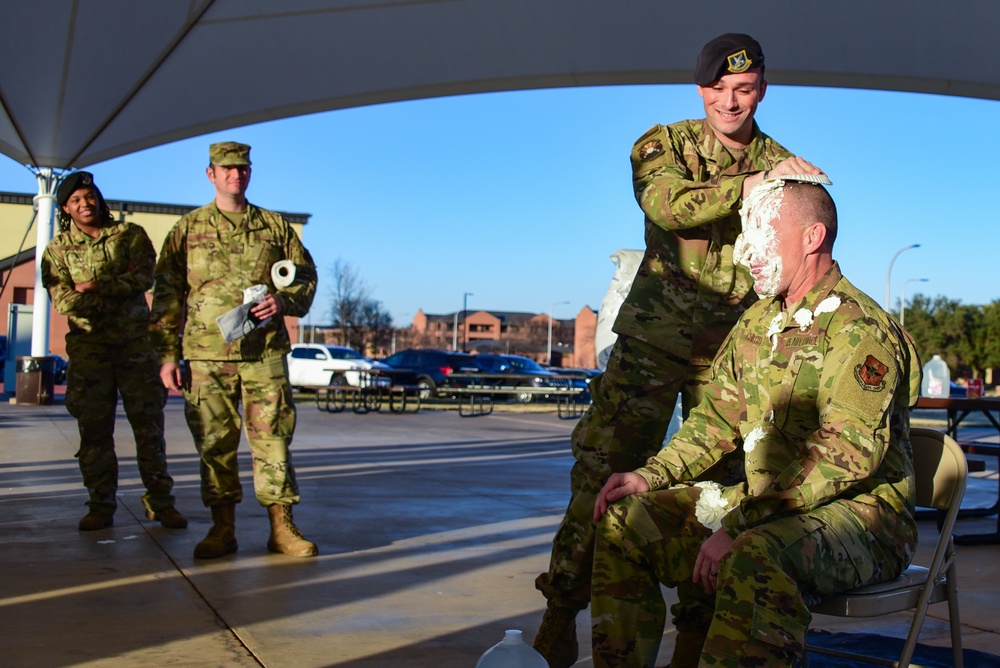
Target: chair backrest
x,y
940,470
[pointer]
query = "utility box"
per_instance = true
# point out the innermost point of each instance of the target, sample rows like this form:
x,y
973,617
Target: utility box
x,y
35,380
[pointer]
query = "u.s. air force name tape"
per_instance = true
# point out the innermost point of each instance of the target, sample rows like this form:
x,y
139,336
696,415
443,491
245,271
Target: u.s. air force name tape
x,y
283,273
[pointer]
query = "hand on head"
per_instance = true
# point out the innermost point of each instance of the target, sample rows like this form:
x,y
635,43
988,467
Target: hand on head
x,y
795,165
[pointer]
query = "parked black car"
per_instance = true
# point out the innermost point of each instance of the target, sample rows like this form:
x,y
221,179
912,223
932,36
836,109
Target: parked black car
x,y
430,369
526,372
585,374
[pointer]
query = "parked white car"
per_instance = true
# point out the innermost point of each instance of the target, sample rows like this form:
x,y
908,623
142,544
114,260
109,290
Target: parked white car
x,y
325,364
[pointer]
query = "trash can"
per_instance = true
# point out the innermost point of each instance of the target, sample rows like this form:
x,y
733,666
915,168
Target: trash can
x,y
35,380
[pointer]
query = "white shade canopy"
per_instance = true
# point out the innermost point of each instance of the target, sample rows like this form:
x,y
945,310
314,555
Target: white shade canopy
x,y
83,82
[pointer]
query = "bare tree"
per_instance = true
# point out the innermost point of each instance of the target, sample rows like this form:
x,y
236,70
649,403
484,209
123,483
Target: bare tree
x,y
378,324
361,321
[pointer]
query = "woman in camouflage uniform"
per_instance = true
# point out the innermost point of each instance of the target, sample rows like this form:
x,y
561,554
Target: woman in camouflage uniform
x,y
97,273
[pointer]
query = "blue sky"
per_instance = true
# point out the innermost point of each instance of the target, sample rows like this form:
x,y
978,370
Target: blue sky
x,y
519,198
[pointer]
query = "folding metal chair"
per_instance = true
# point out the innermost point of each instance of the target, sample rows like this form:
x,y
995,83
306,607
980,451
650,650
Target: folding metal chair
x,y
940,470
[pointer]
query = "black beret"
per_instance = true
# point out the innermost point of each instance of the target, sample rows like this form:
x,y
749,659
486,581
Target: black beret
x,y
72,183
731,53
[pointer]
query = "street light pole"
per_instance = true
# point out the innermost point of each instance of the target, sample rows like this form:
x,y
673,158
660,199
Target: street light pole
x,y
889,272
902,297
396,328
465,327
548,360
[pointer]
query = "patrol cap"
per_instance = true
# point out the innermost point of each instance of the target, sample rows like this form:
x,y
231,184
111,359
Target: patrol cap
x,y
228,154
72,183
731,53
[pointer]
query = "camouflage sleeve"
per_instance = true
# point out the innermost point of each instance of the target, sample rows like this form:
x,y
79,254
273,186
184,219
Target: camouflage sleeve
x,y
56,279
298,296
855,397
169,293
707,435
670,194
138,277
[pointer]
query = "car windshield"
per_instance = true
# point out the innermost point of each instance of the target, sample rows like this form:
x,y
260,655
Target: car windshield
x,y
344,354
525,365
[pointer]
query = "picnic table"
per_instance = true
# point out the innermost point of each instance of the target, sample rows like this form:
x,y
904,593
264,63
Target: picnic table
x,y
475,392
370,395
957,409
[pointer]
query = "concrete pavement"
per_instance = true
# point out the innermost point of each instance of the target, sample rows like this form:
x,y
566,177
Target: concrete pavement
x,y
431,531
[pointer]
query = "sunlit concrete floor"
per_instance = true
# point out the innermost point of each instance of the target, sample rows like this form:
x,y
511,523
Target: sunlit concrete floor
x,y
431,529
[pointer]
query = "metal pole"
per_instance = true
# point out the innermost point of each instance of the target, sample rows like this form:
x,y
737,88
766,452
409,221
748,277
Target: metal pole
x,y
465,327
548,359
889,272
45,201
902,298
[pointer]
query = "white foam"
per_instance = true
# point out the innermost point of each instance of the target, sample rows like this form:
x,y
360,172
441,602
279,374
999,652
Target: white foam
x,y
756,243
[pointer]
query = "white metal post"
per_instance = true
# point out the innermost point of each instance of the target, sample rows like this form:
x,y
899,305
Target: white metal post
x,y
45,203
888,273
902,297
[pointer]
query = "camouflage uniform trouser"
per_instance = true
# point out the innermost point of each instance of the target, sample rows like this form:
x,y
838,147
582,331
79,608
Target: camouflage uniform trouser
x,y
760,616
95,378
633,401
213,393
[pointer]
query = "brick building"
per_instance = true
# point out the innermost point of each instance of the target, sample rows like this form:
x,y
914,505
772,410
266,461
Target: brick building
x,y
513,332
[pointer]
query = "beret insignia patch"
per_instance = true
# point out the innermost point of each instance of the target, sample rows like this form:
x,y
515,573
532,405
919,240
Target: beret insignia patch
x,y
871,374
738,62
650,150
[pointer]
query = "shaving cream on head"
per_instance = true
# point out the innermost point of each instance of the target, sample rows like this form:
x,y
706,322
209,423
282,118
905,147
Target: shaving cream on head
x,y
756,244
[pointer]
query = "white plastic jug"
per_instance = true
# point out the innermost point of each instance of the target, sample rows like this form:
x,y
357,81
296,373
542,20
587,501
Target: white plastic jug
x,y
937,379
512,652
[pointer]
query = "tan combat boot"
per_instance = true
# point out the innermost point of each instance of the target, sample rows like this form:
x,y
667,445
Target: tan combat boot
x,y
285,536
221,538
556,639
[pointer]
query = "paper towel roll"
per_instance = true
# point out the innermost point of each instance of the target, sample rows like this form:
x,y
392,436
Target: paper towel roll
x,y
283,273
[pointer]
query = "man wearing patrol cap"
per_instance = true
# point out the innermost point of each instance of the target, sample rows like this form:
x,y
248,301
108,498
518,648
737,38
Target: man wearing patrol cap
x,y
211,256
97,272
689,179
810,394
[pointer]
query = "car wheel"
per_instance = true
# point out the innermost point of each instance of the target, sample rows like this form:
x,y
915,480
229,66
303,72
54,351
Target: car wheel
x,y
426,387
524,397
338,379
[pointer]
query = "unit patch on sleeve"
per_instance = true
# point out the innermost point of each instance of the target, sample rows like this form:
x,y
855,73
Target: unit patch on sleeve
x,y
871,374
650,150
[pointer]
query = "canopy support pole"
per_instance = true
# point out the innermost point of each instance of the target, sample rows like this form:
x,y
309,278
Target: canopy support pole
x,y
45,204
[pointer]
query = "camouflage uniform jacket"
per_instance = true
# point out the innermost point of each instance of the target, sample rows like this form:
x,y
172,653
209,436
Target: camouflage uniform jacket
x,y
121,259
687,293
205,265
817,406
